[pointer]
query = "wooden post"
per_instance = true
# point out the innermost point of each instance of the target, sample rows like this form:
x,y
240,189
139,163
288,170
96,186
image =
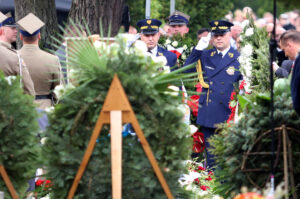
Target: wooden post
x,y
285,163
116,153
8,183
117,110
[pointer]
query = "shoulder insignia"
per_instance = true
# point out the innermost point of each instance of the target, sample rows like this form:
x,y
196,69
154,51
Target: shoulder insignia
x,y
230,55
212,53
160,54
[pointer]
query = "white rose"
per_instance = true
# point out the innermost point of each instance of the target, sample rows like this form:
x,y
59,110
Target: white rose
x,y
49,109
184,46
161,60
99,45
59,91
9,79
193,129
175,44
183,56
168,41
140,47
247,50
249,32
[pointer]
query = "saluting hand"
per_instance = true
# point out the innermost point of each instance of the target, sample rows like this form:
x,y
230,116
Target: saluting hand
x,y
203,42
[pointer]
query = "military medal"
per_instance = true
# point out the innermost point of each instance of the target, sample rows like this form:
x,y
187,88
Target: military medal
x,y
230,70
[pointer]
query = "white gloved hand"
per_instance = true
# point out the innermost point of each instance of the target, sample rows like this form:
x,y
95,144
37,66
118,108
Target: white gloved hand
x,y
203,42
275,66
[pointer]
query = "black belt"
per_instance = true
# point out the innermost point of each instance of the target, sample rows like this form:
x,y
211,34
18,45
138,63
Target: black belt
x,y
39,97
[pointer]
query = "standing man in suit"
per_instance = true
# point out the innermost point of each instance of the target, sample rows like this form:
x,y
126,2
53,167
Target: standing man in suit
x,y
12,64
220,69
44,68
150,35
8,31
290,44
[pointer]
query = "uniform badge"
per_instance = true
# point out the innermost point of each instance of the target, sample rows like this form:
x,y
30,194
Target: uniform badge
x,y
160,54
212,53
149,21
216,23
230,70
230,55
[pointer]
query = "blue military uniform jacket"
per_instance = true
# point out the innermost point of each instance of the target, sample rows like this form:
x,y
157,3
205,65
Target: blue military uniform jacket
x,y
171,57
295,85
221,76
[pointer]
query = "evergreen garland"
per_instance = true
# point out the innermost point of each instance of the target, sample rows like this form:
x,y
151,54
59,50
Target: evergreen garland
x,y
19,148
236,139
74,118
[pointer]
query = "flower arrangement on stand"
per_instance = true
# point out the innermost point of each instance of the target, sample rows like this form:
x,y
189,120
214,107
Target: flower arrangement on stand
x,y
42,189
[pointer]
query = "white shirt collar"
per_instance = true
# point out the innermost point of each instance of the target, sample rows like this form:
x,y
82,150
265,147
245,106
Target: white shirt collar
x,y
154,51
224,52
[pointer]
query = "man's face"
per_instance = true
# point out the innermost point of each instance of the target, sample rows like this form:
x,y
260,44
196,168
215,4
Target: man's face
x,y
288,49
9,34
221,42
151,40
178,29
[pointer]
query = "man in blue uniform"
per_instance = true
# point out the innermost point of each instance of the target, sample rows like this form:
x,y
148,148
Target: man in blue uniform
x,y
178,22
218,71
150,35
290,44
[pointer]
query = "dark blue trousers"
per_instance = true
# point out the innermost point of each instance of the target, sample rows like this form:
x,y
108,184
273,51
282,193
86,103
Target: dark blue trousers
x,y
210,163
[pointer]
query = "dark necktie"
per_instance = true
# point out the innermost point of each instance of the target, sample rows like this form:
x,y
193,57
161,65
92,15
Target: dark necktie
x,y
219,57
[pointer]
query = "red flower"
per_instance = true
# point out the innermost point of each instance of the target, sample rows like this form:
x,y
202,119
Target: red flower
x,y
198,145
242,85
204,188
193,104
39,182
208,178
200,168
233,94
198,88
210,173
196,181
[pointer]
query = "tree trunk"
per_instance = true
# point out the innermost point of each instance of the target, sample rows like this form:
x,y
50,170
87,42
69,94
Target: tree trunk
x,y
43,9
94,11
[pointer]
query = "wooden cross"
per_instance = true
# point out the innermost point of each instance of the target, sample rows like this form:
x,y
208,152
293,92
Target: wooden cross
x,y
116,111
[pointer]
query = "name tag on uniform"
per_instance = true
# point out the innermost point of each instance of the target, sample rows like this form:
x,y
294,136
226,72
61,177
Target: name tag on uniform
x,y
209,67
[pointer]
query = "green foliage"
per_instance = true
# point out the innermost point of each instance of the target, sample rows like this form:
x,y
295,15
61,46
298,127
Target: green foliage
x,y
201,12
19,148
74,118
235,140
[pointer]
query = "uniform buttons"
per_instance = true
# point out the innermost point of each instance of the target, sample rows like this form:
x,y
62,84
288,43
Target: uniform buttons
x,y
222,83
209,100
210,91
211,83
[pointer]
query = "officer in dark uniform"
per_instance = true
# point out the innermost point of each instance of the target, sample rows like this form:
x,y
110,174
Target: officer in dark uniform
x,y
218,71
178,22
150,35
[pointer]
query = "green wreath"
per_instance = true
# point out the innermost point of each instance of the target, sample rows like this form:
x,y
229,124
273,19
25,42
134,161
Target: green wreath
x,y
74,118
19,148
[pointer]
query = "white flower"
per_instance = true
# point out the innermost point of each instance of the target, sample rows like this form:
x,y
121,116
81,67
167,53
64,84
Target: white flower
x,y
175,44
216,197
249,32
174,90
59,91
184,46
247,50
245,23
192,48
183,56
168,41
49,109
9,79
193,129
140,47
166,69
99,45
161,60
43,140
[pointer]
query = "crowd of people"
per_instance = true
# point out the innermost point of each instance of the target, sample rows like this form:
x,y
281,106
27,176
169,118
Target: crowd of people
x,y
218,67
